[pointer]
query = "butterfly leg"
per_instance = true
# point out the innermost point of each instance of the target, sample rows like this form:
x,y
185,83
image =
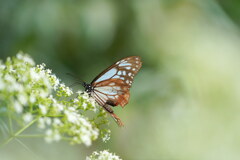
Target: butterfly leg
x,y
115,117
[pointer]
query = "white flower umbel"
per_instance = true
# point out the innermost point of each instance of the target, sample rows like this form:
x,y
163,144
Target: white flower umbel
x,y
103,155
30,94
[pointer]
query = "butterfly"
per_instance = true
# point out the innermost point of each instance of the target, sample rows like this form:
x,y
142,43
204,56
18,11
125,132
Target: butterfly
x,y
111,87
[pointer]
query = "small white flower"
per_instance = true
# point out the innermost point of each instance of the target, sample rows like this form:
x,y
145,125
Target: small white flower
x,y
18,107
72,109
86,140
75,139
57,122
11,70
32,99
48,71
92,101
72,117
9,78
79,92
55,81
20,55
75,100
15,87
103,155
47,83
84,122
2,84
59,106
34,75
84,105
41,66
48,137
57,137
68,91
27,117
9,59
106,136
41,123
85,95
95,133
52,135
2,66
43,109
49,132
25,58
43,93
28,60
22,98
48,120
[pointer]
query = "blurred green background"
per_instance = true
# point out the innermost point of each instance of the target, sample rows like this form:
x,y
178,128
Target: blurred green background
x,y
184,102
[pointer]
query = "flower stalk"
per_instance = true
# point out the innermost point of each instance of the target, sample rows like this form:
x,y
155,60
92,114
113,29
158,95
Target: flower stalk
x,y
18,133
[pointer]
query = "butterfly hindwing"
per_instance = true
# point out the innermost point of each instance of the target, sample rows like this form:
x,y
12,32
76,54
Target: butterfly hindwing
x,y
114,91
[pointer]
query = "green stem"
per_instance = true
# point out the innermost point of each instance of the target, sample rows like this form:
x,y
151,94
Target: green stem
x,y
54,116
66,138
31,136
10,122
18,132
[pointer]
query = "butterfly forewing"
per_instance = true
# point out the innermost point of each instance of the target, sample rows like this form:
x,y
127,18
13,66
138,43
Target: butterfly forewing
x,y
113,84
124,69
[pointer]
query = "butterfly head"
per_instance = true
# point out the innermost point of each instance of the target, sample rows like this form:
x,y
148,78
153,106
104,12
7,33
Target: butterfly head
x,y
88,87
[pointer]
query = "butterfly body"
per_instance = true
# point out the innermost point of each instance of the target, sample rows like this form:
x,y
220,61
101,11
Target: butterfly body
x,y
111,87
88,87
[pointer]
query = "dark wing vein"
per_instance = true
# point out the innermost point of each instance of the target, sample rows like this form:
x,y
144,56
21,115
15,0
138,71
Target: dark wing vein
x,y
99,99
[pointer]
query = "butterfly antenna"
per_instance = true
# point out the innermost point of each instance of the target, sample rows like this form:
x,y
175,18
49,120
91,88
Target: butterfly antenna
x,y
79,81
74,84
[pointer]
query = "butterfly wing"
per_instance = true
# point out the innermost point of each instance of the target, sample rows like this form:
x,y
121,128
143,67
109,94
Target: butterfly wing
x,y
113,84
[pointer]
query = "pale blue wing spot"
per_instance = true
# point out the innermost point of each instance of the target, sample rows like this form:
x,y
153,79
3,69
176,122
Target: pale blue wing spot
x,y
119,73
112,97
107,90
123,61
107,75
116,76
124,64
117,88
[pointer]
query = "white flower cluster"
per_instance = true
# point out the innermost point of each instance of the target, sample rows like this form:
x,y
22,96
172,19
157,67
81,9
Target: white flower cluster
x,y
103,155
81,128
106,135
36,94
